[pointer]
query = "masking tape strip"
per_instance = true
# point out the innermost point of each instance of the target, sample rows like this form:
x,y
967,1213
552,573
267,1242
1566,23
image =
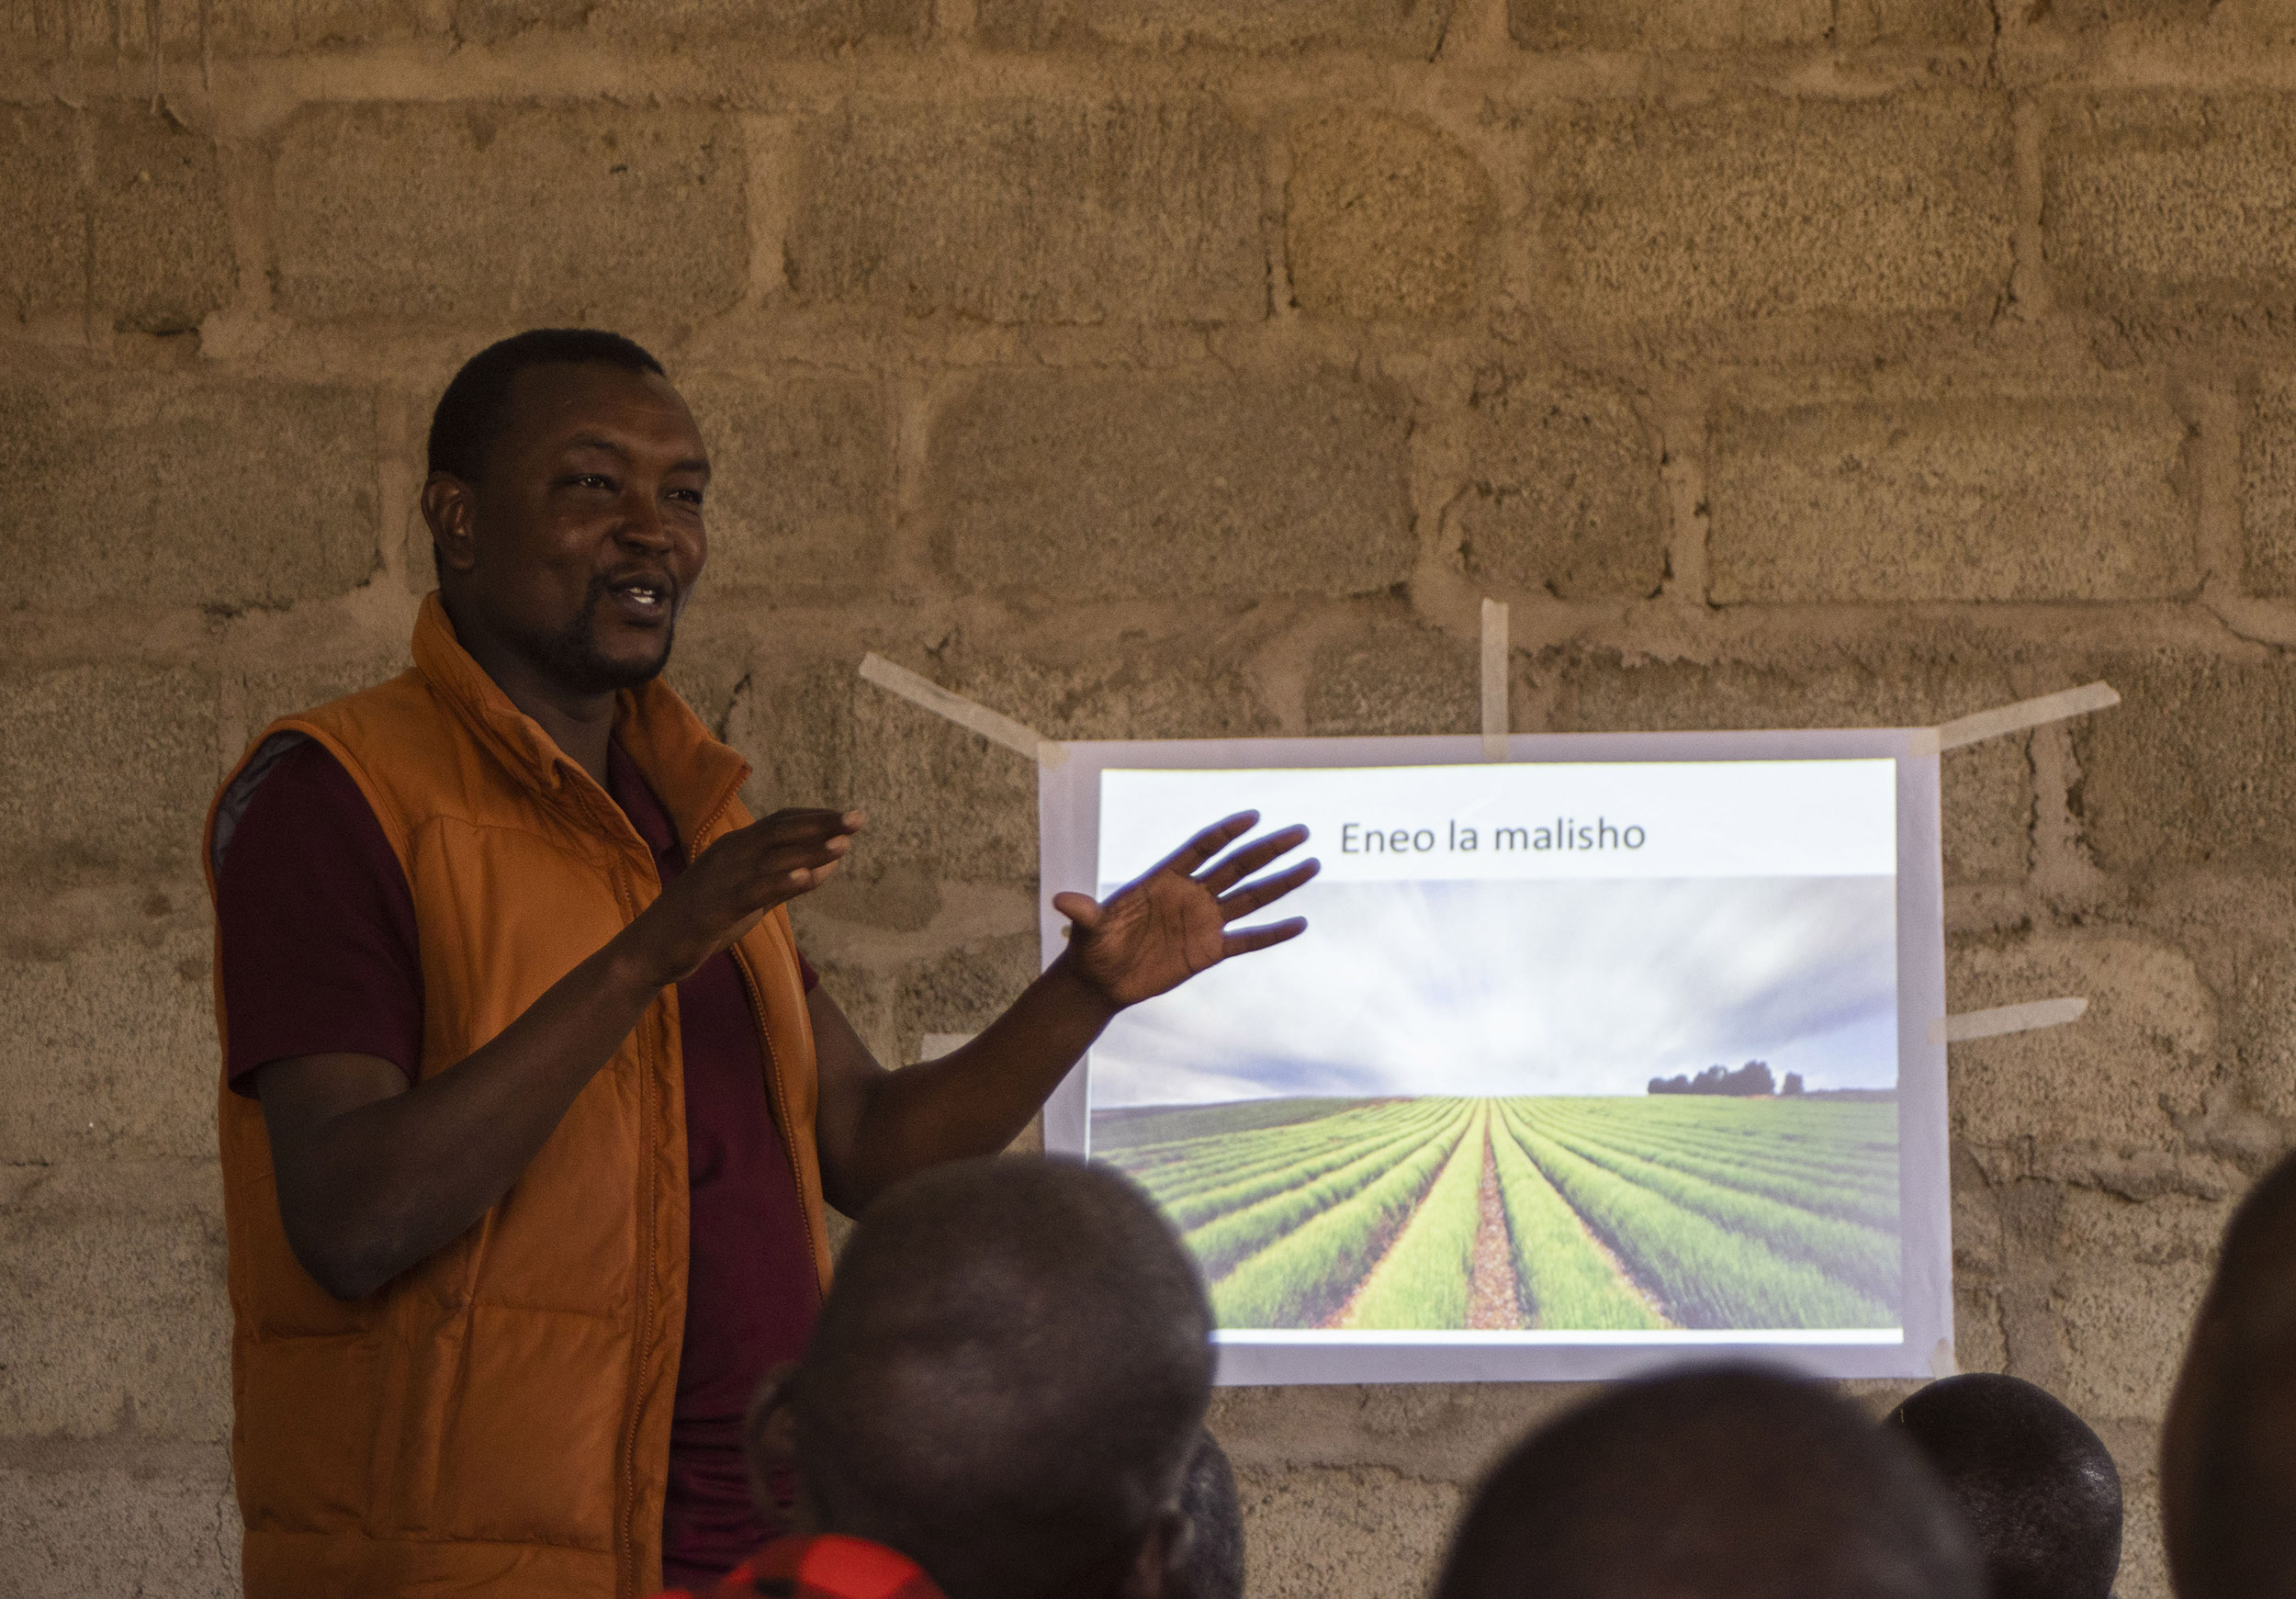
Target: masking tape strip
x,y
2026,1018
1494,680
2024,714
964,713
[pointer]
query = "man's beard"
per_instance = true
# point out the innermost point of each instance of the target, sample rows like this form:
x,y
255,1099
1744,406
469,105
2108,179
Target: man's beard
x,y
571,656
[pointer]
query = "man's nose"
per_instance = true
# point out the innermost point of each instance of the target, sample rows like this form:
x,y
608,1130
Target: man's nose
x,y
642,525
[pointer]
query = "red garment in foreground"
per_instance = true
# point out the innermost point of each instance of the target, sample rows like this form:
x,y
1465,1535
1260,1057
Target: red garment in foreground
x,y
830,1567
319,957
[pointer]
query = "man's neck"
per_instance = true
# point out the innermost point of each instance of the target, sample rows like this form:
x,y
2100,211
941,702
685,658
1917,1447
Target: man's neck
x,y
580,724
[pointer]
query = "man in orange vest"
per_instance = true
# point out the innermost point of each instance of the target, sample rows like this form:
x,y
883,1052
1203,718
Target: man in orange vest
x,y
531,1106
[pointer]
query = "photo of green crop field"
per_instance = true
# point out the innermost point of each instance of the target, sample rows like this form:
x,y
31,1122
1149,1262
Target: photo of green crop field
x,y
1596,1213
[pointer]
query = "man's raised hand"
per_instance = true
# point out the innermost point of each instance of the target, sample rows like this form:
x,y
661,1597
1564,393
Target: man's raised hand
x,y
740,878
1159,931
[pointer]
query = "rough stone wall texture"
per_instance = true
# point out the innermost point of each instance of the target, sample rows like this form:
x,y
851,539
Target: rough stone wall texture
x,y
1153,368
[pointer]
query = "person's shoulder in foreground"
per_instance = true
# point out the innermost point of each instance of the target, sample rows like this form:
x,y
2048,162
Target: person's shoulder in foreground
x,y
1718,1484
2036,1485
827,1566
2228,1450
1007,1385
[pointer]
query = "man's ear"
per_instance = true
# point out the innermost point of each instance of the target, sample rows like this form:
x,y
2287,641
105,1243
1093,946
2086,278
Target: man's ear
x,y
451,507
769,1443
1153,1573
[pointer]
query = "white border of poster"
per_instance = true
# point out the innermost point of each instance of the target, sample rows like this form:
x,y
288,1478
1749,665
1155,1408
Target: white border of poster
x,y
1069,812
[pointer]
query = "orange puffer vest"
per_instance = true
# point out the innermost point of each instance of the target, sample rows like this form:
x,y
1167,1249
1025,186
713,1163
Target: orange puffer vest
x,y
495,1420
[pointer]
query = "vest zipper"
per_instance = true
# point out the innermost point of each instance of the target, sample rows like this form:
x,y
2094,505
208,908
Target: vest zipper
x,y
626,1580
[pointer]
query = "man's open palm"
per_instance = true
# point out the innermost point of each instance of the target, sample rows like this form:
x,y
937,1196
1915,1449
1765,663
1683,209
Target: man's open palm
x,y
1159,931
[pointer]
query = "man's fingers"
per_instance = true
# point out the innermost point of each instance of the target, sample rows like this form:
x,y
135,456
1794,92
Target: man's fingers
x,y
1244,941
1252,857
1266,891
1206,844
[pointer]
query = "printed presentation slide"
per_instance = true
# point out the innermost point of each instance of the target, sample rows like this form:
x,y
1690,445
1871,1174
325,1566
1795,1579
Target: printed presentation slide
x,y
1578,1062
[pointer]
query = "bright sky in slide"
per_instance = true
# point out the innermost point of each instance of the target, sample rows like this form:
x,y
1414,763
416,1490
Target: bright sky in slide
x,y
1749,914
1559,987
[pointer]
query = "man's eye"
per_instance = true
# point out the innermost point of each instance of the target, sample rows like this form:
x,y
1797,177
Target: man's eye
x,y
588,480
691,496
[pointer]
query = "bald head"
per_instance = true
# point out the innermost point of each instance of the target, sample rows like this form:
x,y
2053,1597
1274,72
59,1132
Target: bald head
x,y
1719,1484
1008,1379
2228,1453
2036,1485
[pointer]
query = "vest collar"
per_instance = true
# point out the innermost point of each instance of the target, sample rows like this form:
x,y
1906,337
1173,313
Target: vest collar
x,y
693,773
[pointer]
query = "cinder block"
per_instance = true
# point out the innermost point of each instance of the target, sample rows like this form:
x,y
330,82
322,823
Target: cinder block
x,y
894,1004
801,484
160,246
1316,1531
109,1051
210,493
2189,767
2114,1081
2159,207
117,763
1563,493
767,27
943,800
156,1519
1395,679
2143,1553
487,214
112,1306
1432,1433
1693,24
1986,791
2268,483
1995,500
1755,211
1022,211
1385,218
43,250
1188,484
1377,27
2129,1279
122,35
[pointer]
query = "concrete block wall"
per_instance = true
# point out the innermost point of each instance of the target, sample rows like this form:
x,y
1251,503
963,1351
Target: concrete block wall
x,y
1163,368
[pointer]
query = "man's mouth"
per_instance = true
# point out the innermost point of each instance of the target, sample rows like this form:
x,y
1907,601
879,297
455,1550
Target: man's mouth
x,y
644,597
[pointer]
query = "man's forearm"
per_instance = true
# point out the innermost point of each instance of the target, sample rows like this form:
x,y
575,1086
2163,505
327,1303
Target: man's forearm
x,y
368,1191
975,1099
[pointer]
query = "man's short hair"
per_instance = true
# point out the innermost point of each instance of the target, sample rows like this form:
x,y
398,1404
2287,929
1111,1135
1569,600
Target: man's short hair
x,y
1211,1563
476,408
2228,1455
1008,1379
1728,1483
2036,1485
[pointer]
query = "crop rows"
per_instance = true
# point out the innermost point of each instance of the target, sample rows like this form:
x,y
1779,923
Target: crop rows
x,y
1619,1213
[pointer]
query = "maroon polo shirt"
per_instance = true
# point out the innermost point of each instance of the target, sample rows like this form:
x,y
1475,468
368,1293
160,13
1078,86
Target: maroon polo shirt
x,y
318,956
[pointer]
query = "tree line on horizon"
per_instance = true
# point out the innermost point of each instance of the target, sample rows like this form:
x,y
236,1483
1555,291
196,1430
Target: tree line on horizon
x,y
1750,1081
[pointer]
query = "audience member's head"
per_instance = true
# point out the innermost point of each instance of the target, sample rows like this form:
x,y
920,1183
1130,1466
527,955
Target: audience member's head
x,y
2228,1454
1007,1382
1211,1557
1727,1484
2038,1488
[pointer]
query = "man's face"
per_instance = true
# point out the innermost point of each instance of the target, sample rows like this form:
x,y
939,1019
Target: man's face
x,y
584,540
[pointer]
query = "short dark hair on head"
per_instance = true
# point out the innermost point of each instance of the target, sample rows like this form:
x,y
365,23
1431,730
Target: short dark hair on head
x,y
1008,1377
475,408
1725,1483
2034,1482
1211,1564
